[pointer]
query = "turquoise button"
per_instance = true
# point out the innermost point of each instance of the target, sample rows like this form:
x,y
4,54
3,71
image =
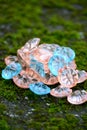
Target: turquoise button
x,y
38,67
39,88
55,63
11,70
67,53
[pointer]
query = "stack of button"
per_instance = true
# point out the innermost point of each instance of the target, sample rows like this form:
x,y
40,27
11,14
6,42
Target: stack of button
x,y
37,66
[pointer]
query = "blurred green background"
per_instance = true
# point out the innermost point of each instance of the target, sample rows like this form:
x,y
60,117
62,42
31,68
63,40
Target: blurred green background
x,y
54,21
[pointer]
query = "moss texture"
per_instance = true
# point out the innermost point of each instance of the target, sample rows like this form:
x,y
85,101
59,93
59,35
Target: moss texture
x,y
54,21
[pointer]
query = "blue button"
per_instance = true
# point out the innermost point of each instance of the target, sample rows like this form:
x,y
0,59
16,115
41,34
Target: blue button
x,y
11,70
55,63
38,67
39,88
67,53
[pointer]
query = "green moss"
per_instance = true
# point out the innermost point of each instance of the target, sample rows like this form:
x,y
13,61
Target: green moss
x,y
3,108
4,125
84,124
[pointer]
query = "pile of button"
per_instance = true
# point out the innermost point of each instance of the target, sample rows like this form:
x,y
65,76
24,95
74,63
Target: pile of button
x,y
37,66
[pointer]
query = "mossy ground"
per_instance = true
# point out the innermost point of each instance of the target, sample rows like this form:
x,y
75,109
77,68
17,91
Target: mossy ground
x,y
54,21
